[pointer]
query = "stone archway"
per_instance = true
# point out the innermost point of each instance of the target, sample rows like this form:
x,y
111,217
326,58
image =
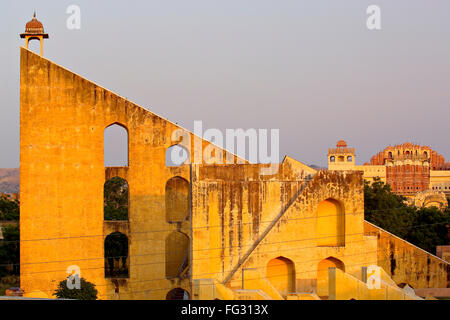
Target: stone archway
x,y
330,223
115,199
177,294
177,254
323,274
116,255
177,200
115,145
281,274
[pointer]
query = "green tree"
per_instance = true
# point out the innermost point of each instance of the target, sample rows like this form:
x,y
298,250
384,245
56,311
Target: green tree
x,y
387,210
431,228
10,251
424,227
9,209
87,291
116,199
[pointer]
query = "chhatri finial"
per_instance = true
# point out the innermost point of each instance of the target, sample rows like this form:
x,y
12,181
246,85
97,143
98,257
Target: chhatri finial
x,y
34,15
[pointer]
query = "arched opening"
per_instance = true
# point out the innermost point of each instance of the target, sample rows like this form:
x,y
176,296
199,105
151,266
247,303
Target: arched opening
x,y
35,45
323,274
390,155
116,255
281,273
349,159
177,255
178,294
115,146
425,154
177,155
115,199
330,223
332,159
177,200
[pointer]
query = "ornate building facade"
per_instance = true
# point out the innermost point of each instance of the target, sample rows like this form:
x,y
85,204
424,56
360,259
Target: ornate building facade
x,y
412,168
408,168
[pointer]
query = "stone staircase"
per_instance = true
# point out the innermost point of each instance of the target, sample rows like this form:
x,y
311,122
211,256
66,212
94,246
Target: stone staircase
x,y
266,232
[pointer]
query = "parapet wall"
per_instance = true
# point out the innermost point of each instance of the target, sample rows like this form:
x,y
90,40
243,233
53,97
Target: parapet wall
x,y
406,263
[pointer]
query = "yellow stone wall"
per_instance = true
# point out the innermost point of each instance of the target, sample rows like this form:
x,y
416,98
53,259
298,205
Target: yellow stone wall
x,y
346,287
440,181
371,171
251,233
406,263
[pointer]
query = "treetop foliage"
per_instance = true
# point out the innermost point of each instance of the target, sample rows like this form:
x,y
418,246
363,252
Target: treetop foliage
x,y
116,199
87,290
9,209
423,227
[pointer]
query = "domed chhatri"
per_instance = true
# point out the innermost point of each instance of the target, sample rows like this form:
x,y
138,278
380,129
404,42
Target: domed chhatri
x,y
341,144
34,26
34,30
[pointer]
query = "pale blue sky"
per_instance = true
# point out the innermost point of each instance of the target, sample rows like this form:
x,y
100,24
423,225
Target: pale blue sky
x,y
310,68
